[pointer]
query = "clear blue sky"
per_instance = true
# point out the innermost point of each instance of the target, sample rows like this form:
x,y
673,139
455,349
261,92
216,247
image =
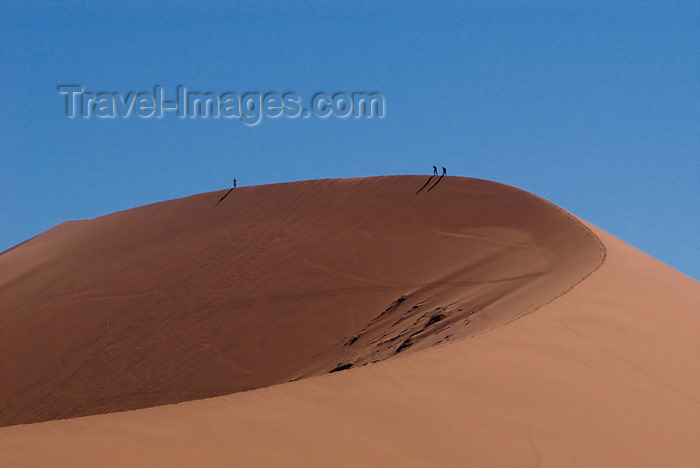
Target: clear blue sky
x,y
592,105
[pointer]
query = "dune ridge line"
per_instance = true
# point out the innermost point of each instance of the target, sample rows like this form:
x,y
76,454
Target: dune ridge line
x,y
183,300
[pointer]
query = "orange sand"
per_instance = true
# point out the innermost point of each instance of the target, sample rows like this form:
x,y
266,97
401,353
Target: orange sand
x,y
179,300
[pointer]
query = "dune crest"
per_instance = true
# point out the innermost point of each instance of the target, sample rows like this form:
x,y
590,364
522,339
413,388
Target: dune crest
x,y
188,299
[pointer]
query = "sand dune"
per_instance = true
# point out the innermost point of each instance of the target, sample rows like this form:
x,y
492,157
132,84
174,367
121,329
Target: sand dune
x,y
182,300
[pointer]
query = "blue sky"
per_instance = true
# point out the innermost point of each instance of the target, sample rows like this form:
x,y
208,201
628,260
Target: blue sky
x,y
592,105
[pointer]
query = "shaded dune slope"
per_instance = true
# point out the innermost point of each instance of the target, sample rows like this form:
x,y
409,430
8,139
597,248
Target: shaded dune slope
x,y
183,299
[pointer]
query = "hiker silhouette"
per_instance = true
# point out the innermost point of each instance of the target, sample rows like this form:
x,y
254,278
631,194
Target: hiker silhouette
x,y
444,171
435,170
235,182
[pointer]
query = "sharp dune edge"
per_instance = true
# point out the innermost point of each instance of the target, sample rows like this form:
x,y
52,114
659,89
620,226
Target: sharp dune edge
x,y
180,300
188,299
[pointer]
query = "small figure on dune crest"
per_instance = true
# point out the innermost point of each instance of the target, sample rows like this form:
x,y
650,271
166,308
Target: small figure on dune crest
x,y
235,182
435,170
444,171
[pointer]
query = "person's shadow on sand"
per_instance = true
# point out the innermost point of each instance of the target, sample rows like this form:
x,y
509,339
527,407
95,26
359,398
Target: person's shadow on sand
x,y
425,185
436,182
222,198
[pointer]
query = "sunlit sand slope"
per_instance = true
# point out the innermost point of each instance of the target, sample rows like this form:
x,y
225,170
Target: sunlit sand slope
x,y
606,375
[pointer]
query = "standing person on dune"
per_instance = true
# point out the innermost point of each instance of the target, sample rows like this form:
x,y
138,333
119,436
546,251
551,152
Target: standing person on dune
x,y
235,182
444,171
435,170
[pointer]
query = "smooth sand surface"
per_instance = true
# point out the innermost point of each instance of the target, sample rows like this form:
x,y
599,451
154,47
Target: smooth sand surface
x,y
185,299
564,360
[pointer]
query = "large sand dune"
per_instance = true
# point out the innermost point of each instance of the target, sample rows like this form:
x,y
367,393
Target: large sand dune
x,y
183,300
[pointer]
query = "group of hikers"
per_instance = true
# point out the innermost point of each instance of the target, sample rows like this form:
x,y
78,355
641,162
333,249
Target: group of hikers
x,y
435,172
